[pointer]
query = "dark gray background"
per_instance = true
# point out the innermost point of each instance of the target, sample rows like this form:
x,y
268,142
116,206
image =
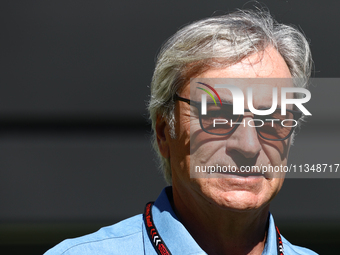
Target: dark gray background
x,y
74,141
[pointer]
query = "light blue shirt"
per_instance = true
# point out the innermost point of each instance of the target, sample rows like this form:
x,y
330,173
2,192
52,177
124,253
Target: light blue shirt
x,y
129,237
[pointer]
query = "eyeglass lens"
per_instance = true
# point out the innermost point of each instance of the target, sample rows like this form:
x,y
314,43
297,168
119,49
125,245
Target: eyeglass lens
x,y
221,121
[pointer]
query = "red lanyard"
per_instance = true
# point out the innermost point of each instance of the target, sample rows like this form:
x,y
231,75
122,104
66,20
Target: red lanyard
x,y
153,234
159,244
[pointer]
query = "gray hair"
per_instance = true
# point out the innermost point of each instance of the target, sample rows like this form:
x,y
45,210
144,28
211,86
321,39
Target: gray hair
x,y
219,42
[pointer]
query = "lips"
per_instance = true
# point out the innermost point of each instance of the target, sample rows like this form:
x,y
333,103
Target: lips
x,y
246,174
243,174
230,171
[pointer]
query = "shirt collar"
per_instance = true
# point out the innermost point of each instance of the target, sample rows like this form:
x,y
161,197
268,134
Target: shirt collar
x,y
176,236
271,242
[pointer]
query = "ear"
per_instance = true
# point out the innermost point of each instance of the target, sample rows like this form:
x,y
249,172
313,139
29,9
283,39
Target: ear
x,y
162,135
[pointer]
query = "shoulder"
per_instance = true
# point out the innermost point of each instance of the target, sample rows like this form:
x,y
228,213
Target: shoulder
x,y
116,239
294,249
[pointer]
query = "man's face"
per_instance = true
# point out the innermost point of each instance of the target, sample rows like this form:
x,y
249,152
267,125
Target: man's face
x,y
241,148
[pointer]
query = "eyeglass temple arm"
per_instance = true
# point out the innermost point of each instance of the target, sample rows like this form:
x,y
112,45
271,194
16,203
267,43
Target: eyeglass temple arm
x,y
190,102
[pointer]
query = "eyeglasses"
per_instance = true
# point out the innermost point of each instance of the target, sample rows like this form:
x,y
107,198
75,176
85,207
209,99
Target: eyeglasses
x,y
220,120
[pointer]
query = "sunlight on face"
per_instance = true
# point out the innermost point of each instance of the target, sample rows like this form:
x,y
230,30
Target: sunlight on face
x,y
243,147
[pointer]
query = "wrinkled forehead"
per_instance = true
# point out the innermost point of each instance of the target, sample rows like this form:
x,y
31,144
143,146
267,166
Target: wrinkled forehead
x,y
261,90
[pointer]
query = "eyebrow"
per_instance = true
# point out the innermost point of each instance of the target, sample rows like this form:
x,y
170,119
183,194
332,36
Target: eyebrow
x,y
262,106
223,101
266,107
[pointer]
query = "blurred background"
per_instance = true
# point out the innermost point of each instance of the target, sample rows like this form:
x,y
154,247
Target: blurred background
x,y
74,142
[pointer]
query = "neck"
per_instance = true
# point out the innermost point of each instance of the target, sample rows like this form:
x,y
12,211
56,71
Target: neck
x,y
221,231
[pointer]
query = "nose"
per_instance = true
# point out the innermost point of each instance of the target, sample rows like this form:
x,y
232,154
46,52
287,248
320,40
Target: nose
x,y
245,139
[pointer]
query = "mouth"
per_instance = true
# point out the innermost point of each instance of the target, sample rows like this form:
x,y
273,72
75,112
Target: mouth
x,y
240,174
234,171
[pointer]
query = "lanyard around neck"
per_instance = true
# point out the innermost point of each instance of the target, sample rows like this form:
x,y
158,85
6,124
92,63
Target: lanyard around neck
x,y
153,234
161,247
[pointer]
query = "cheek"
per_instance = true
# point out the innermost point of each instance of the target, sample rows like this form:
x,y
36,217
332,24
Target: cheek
x,y
180,147
276,185
200,140
276,151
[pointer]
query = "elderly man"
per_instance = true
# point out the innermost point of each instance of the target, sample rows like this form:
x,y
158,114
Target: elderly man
x,y
227,214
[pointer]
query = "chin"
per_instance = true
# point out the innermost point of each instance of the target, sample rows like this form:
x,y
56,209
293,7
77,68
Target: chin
x,y
242,201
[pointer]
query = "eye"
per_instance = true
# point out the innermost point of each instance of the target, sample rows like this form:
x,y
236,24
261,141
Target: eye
x,y
215,114
273,127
